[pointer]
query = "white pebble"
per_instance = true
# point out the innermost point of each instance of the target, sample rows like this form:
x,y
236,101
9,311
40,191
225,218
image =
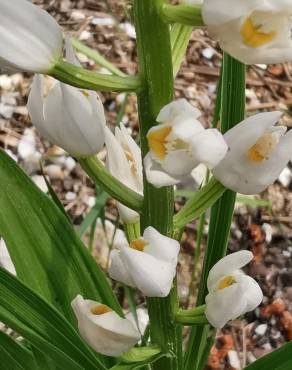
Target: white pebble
x,y
70,196
233,359
27,144
40,182
261,329
285,177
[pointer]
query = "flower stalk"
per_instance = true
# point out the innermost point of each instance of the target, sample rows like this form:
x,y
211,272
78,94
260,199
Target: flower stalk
x,y
156,72
82,78
101,176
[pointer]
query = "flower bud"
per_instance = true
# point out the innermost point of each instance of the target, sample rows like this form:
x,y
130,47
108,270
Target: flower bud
x,y
67,116
30,39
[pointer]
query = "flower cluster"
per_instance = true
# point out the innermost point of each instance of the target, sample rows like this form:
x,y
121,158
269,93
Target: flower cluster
x,y
246,159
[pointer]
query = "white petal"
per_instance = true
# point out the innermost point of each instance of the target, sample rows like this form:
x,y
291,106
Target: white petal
x,y
151,275
127,214
161,246
70,54
179,163
227,265
216,12
31,40
252,292
239,173
107,333
224,305
155,174
143,319
181,108
118,271
208,147
35,104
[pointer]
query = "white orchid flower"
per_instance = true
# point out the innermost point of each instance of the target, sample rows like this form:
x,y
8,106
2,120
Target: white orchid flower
x,y
30,39
258,152
125,163
179,144
252,31
148,263
231,292
67,116
102,328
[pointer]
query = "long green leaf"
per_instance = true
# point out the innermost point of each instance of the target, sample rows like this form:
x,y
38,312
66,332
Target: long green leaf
x,y
47,254
232,112
281,359
14,356
43,326
180,37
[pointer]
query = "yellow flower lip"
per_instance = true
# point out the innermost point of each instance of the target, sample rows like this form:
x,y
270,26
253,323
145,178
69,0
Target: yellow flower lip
x,y
157,141
262,149
252,36
226,282
100,309
138,244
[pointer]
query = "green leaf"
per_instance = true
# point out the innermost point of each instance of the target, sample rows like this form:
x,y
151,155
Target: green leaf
x,y
281,359
183,14
180,37
232,112
14,356
139,354
43,326
47,254
199,203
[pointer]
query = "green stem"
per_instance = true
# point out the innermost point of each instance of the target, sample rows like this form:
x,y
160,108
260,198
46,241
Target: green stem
x,y
197,311
199,203
100,175
132,231
183,14
191,320
232,112
82,78
155,61
96,57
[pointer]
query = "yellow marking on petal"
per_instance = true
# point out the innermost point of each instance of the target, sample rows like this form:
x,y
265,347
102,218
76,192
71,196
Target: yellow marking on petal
x,y
100,309
261,150
226,282
138,244
253,37
85,93
157,141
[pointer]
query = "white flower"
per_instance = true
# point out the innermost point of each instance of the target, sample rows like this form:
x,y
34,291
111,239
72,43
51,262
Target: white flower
x,y
192,2
142,318
30,39
252,31
125,163
67,116
149,263
103,329
258,152
231,292
179,144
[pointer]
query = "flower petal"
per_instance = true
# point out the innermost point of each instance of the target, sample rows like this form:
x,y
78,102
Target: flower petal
x,y
227,265
118,271
31,40
107,333
252,292
208,147
224,305
155,174
151,275
161,246
179,108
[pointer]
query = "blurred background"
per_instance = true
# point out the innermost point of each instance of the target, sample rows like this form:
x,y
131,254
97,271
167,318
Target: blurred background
x,y
261,223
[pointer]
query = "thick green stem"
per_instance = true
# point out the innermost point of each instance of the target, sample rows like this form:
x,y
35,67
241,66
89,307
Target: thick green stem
x,y
155,61
82,78
183,14
100,175
232,112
